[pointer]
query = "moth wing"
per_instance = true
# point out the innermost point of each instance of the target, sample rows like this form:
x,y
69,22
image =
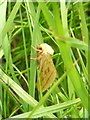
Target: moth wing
x,y
47,71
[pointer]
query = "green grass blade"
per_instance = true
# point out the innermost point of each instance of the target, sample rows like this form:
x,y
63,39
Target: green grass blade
x,y
51,109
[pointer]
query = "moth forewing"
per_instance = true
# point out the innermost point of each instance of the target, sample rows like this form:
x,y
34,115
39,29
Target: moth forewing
x,y
47,69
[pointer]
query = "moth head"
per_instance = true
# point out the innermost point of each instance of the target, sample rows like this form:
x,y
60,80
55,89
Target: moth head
x,y
45,48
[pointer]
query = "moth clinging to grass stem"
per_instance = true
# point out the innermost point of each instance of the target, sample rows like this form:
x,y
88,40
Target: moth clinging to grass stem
x,y
47,69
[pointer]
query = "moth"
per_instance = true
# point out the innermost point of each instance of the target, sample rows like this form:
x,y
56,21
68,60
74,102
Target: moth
x,y
46,67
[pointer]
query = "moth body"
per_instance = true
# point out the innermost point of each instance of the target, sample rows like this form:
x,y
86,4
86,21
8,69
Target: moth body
x,y
46,66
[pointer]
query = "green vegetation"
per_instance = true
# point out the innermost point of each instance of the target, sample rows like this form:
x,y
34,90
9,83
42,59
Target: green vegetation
x,y
65,27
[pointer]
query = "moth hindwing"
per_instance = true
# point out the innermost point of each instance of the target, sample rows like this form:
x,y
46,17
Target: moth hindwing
x,y
47,69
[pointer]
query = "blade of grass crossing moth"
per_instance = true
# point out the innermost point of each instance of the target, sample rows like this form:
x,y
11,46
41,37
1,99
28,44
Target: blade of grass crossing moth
x,y
36,36
33,63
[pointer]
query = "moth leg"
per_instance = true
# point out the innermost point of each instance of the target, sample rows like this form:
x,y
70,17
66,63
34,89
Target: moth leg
x,y
38,58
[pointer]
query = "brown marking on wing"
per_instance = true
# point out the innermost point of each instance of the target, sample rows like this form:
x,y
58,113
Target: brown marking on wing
x,y
47,71
48,82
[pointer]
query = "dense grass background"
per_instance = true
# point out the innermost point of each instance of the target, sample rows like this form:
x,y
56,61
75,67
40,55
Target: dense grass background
x,y
65,27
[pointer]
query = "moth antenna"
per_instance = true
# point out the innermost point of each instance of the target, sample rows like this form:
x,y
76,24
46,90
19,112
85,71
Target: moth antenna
x,y
35,49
